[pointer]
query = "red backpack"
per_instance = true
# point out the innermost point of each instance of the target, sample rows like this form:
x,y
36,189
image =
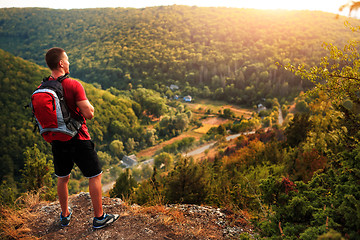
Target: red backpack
x,y
51,112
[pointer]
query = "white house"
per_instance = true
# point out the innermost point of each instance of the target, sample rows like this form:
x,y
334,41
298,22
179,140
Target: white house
x,y
188,98
261,107
174,87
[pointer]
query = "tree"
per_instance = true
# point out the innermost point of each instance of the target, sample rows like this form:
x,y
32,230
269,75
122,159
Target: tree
x,y
228,113
221,129
164,161
7,193
116,148
130,145
297,130
206,92
37,172
124,185
352,5
104,158
186,183
181,121
150,137
307,163
302,107
330,199
150,101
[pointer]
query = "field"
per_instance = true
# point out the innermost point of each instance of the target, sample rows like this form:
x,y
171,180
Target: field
x,y
207,112
203,105
208,121
150,152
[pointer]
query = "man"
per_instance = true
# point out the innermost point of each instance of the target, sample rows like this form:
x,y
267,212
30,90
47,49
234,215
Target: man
x,y
80,149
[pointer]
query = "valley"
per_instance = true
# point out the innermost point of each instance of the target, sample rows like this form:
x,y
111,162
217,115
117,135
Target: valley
x,y
254,113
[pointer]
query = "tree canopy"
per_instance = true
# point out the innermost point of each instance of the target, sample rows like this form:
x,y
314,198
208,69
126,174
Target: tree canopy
x,y
222,53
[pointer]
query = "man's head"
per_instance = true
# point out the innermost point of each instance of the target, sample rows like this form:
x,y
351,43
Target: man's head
x,y
57,59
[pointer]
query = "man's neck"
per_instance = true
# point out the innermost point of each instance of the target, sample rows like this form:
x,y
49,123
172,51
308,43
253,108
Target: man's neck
x,y
56,74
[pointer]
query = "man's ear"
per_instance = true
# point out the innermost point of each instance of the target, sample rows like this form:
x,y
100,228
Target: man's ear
x,y
61,63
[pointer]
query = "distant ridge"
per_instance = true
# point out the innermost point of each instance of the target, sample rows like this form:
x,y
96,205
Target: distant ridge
x,y
224,49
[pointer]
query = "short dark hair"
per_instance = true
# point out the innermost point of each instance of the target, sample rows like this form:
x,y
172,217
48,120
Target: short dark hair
x,y
53,57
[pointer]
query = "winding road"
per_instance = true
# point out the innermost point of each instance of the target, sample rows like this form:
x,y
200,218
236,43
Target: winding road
x,y
209,145
107,187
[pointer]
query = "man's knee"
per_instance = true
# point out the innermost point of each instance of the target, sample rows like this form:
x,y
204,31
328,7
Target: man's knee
x,y
95,181
63,180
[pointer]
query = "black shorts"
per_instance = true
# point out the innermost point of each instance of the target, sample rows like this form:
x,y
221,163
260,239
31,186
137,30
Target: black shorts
x,y
80,152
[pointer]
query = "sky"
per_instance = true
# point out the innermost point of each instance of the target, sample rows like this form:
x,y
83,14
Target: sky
x,y
322,5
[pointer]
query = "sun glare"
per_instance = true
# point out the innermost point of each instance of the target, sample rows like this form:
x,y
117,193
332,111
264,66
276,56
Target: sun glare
x,y
322,5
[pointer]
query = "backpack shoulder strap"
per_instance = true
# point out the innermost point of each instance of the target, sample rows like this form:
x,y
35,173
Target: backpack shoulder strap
x,y
45,79
62,78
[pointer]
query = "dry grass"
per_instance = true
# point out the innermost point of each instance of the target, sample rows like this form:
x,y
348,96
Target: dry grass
x,y
204,129
13,220
199,231
30,199
167,216
13,224
209,123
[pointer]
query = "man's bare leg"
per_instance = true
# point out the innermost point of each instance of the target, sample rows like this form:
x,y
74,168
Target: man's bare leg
x,y
63,194
95,190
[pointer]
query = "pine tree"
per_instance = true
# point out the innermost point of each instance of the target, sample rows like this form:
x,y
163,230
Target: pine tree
x,y
186,183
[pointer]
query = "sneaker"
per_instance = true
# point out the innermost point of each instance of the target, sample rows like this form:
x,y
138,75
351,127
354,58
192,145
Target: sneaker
x,y
108,219
65,220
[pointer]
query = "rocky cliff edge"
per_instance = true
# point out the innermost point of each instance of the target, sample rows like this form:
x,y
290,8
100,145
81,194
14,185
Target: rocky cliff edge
x,y
136,222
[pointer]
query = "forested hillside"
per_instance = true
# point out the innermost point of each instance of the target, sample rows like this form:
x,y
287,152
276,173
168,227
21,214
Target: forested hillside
x,y
300,180
222,53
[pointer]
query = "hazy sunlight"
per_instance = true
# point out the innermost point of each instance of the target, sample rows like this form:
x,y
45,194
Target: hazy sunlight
x,y
322,5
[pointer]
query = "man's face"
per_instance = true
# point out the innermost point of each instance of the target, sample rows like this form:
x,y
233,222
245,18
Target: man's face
x,y
64,63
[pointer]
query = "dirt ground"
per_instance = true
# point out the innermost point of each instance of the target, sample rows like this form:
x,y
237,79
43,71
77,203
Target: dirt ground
x,y
135,222
214,121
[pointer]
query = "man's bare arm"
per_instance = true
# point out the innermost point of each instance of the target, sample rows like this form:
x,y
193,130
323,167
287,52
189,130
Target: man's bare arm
x,y
86,109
